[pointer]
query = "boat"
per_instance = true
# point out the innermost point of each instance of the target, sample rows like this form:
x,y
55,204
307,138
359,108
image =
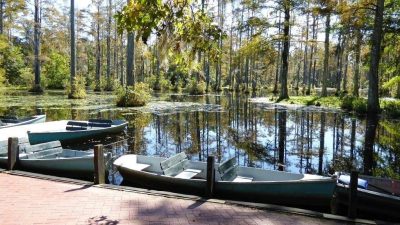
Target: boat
x,y
78,130
11,121
377,198
178,174
51,157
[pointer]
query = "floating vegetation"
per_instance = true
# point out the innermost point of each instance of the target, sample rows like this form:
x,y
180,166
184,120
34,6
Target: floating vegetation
x,y
168,108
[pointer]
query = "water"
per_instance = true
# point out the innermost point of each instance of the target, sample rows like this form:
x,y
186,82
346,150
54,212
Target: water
x,y
300,140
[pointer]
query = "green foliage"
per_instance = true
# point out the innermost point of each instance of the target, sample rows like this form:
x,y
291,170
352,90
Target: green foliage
x,y
159,83
347,102
13,63
196,88
360,105
56,71
78,88
176,24
391,108
351,103
135,96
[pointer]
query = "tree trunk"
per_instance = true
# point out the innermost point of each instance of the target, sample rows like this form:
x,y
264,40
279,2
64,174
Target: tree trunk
x,y
37,87
1,16
109,87
73,47
305,63
98,52
321,143
130,59
373,91
324,92
278,58
285,52
356,79
314,37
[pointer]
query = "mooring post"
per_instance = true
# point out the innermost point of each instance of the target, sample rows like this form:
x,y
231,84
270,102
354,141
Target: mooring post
x,y
352,213
13,152
210,176
99,165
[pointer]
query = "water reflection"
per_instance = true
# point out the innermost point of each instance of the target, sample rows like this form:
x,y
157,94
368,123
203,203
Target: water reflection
x,y
259,135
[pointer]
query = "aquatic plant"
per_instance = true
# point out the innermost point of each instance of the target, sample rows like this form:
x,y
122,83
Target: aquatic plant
x,y
196,88
135,96
78,89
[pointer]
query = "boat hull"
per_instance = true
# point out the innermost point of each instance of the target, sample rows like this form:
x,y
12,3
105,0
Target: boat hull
x,y
35,119
65,136
291,193
60,165
369,203
161,182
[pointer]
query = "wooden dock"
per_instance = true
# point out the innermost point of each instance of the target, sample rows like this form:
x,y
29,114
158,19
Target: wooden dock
x,y
22,131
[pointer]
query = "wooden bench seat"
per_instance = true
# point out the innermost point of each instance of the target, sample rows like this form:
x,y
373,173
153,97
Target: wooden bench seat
x,y
176,166
137,166
228,172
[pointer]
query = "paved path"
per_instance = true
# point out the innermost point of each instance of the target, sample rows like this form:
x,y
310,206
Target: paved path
x,y
26,200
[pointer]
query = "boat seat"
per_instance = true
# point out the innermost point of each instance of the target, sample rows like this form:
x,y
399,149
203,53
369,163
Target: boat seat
x,y
100,121
92,124
175,166
228,172
188,174
243,179
137,166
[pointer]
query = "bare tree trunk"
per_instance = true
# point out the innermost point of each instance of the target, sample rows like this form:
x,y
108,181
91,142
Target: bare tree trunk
x,y
73,47
278,58
98,52
357,63
314,37
37,87
324,92
2,16
285,52
130,59
305,63
109,85
373,87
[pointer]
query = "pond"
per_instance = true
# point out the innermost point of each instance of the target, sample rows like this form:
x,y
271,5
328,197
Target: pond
x,y
294,139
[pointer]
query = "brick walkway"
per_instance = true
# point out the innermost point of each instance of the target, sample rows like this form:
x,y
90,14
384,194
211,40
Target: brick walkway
x,y
26,200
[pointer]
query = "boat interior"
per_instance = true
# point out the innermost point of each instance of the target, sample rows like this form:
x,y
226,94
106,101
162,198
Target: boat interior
x,y
179,166
92,124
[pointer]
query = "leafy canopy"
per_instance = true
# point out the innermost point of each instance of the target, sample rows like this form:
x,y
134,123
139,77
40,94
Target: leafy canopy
x,y
176,25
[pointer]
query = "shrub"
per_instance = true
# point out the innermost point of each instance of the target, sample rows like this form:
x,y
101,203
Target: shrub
x,y
137,95
56,71
196,88
351,103
78,88
159,83
391,108
360,105
347,103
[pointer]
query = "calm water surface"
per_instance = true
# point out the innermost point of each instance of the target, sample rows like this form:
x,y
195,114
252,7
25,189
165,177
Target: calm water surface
x,y
299,140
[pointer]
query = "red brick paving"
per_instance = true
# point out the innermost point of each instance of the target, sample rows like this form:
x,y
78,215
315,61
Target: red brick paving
x,y
26,200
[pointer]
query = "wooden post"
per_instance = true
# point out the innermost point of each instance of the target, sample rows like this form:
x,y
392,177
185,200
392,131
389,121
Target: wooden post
x,y
99,165
210,176
352,212
13,152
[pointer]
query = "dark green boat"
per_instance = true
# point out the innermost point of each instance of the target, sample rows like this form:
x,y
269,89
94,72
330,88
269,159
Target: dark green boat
x,y
75,130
